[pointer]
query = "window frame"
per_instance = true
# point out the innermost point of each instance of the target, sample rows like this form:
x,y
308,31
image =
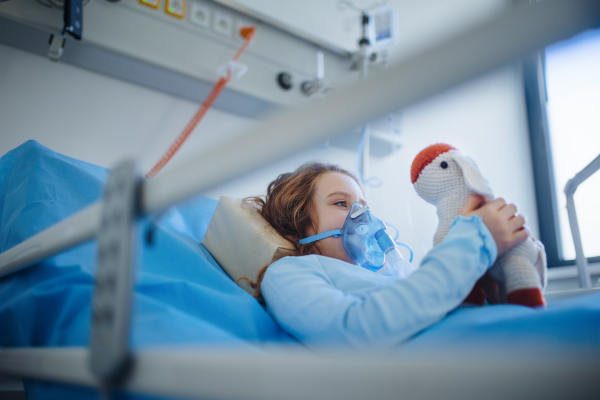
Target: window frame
x,y
536,97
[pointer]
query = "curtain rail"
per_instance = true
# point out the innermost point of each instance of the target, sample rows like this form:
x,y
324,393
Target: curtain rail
x,y
502,39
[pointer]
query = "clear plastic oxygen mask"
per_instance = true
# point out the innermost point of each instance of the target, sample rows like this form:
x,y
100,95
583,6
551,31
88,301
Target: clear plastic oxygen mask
x,y
367,242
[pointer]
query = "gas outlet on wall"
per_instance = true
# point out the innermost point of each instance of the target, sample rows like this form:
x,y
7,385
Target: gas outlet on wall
x,y
200,15
223,24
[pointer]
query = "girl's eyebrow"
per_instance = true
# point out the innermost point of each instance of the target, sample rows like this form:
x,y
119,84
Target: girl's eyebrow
x,y
338,194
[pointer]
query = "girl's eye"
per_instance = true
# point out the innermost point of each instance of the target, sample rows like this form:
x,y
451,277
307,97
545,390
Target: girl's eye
x,y
340,203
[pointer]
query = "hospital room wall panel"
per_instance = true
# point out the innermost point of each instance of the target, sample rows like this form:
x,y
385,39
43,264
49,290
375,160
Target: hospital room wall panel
x,y
177,46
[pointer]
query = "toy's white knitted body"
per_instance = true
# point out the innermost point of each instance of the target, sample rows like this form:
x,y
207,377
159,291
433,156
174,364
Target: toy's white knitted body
x,y
446,181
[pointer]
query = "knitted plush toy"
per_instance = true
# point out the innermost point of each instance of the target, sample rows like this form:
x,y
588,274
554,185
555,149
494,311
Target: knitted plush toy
x,y
445,177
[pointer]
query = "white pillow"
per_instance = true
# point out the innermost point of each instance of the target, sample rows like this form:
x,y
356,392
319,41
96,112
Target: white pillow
x,y
242,241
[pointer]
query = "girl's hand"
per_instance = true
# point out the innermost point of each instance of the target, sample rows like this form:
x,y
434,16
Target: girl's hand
x,y
507,228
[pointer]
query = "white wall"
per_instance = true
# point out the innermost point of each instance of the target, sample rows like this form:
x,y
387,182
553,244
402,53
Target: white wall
x,y
96,118
101,120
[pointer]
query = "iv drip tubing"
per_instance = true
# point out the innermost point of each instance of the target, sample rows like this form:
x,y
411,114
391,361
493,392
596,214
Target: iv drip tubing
x,y
187,131
246,32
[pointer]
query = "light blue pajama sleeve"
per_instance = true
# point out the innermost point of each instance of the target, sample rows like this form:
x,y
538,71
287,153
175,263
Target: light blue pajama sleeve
x,y
323,301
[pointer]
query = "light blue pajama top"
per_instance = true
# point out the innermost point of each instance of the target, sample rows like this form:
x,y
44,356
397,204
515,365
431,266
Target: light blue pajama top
x,y
325,301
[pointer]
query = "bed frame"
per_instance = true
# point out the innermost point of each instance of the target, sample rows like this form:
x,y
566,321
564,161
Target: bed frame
x,y
284,373
585,280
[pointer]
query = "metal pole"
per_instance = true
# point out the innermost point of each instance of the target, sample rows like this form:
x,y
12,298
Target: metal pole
x,y
583,272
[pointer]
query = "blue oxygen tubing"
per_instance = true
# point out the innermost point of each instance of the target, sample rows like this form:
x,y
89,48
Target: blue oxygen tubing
x,y
396,239
373,181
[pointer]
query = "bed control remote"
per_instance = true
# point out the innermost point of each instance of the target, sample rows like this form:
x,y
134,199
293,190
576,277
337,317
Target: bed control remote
x,y
111,305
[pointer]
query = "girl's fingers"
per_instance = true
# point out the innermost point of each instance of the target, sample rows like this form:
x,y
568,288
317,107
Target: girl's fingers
x,y
516,223
520,236
473,203
520,215
498,203
508,210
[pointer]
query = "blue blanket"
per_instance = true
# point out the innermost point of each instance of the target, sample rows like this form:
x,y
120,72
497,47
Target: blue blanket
x,y
182,296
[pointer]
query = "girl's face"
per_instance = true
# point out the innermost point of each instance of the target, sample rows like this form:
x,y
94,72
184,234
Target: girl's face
x,y
334,194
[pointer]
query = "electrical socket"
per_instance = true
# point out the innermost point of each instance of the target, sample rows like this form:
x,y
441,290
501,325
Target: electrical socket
x,y
200,15
223,24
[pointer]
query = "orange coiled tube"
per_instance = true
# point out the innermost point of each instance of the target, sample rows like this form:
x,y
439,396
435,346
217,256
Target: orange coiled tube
x,y
247,33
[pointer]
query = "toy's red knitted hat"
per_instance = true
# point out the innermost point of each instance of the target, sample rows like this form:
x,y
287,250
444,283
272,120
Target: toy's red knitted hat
x,y
425,157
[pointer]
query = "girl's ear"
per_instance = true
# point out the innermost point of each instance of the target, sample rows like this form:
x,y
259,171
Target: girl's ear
x,y
473,177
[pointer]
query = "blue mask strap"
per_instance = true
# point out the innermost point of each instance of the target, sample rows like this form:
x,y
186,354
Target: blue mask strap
x,y
314,238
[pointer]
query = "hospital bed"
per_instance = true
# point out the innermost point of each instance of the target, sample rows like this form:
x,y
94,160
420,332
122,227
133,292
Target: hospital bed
x,y
195,334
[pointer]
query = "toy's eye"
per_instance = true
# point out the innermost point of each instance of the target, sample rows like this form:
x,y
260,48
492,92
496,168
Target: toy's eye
x,y
444,165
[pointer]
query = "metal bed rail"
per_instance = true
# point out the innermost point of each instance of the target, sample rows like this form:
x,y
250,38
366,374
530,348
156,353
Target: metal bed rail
x,y
583,272
285,373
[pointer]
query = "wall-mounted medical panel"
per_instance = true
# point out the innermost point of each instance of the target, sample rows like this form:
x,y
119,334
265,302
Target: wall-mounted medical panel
x,y
191,38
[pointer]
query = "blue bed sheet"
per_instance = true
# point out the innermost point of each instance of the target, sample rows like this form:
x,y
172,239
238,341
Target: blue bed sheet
x,y
566,326
182,296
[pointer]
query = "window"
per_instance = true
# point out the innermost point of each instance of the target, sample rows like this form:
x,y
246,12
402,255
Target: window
x,y
573,109
564,118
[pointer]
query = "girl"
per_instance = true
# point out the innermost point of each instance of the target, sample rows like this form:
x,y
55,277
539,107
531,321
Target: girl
x,y
321,297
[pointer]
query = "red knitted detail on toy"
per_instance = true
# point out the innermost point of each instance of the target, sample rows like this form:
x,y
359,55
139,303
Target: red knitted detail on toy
x,y
477,295
531,297
425,157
